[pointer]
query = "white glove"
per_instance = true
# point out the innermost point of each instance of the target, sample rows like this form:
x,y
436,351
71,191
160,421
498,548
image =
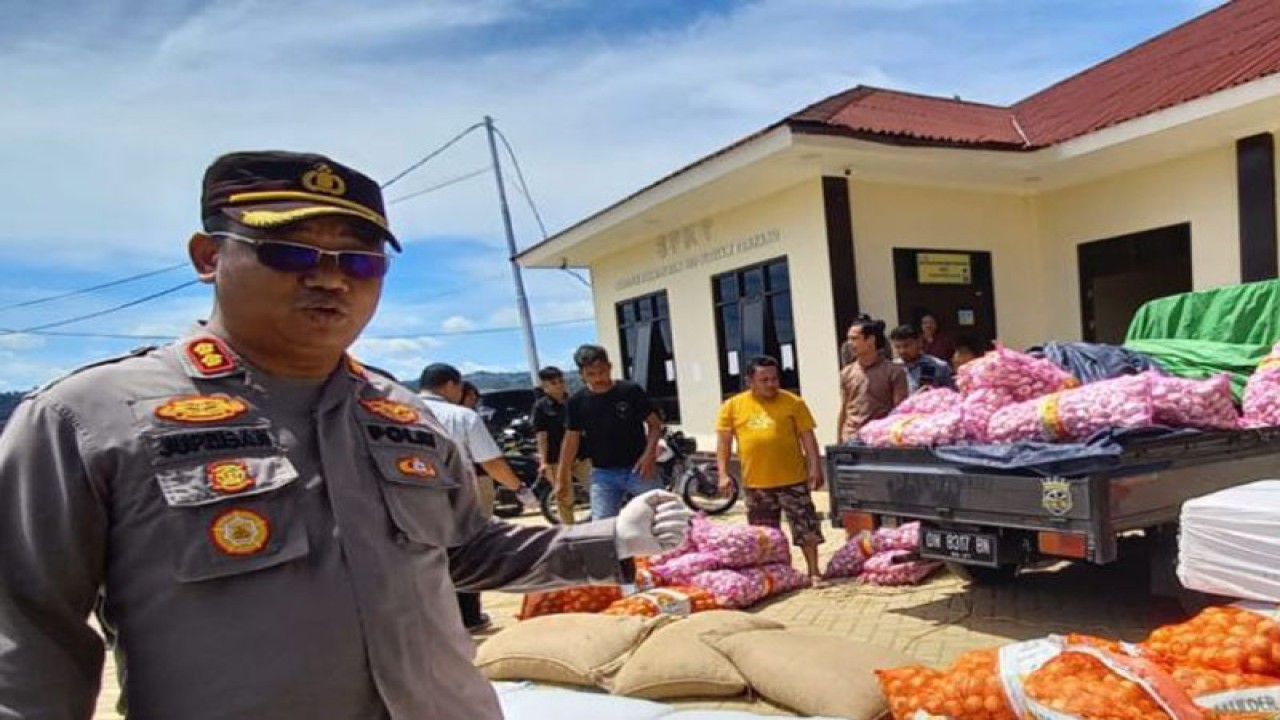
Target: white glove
x,y
652,523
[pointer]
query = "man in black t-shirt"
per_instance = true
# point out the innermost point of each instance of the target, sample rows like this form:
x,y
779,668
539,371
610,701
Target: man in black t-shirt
x,y
548,425
622,429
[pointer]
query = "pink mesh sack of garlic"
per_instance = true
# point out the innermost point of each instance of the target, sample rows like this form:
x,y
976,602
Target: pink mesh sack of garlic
x,y
740,546
976,410
743,588
1074,415
1205,404
681,570
847,562
927,402
943,428
903,537
897,567
1262,393
1017,374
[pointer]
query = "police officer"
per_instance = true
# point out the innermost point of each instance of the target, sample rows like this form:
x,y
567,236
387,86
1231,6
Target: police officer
x,y
270,525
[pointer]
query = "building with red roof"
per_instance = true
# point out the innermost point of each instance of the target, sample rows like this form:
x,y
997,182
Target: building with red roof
x,y
1148,174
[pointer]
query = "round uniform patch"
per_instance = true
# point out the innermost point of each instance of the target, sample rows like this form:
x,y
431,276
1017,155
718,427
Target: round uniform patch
x,y
229,476
391,410
199,409
416,466
240,532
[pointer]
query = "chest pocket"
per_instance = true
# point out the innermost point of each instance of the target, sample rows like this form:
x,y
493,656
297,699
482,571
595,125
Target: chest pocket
x,y
418,490
231,516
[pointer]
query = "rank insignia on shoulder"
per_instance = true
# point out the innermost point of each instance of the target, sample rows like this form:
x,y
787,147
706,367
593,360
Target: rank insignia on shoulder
x,y
229,476
200,409
416,466
391,410
208,356
240,532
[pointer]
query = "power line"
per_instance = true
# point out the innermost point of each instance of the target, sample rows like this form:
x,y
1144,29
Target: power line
x,y
95,288
523,187
439,186
432,155
115,308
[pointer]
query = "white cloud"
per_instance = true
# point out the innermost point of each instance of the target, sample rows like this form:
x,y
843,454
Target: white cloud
x,y
403,357
456,323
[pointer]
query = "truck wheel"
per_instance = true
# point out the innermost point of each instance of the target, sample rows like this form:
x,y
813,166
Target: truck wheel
x,y
978,575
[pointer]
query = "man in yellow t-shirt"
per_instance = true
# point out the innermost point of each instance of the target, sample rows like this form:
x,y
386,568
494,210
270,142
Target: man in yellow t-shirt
x,y
778,452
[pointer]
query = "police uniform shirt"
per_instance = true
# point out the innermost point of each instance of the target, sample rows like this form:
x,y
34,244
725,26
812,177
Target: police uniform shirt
x,y
267,549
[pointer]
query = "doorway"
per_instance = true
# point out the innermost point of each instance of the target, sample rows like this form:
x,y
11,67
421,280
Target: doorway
x,y
1119,274
955,287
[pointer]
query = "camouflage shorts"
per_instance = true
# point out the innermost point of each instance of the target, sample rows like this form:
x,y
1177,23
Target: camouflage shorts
x,y
765,506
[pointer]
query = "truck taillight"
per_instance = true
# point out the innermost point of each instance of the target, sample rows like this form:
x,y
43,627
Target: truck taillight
x,y
855,522
1063,544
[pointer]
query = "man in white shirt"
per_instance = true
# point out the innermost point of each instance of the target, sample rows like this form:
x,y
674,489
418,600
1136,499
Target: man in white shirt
x,y
441,388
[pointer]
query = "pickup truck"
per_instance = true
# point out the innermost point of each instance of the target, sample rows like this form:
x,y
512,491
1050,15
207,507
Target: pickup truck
x,y
986,524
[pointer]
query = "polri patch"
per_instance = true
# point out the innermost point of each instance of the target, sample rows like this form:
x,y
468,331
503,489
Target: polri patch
x,y
229,476
416,466
391,410
208,356
240,532
200,409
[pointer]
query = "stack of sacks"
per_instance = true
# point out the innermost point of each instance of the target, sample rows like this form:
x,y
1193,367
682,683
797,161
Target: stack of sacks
x,y
1262,393
739,565
1224,663
1074,415
928,402
915,430
887,556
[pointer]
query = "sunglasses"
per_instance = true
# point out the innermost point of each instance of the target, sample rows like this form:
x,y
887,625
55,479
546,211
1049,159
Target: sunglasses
x,y
295,258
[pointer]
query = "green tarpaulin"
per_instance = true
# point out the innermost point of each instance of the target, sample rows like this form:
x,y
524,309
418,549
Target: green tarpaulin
x,y
1201,334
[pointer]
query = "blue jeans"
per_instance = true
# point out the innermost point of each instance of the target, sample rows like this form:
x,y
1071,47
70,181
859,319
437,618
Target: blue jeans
x,y
611,487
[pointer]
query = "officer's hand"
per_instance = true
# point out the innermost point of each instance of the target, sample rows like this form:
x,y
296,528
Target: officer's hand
x,y
652,523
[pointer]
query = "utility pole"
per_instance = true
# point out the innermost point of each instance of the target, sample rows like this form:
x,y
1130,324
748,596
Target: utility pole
x,y
522,300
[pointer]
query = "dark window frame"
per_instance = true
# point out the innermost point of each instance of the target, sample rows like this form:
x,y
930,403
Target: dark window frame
x,y
652,313
734,305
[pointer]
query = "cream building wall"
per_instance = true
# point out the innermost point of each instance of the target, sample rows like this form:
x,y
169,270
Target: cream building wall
x,y
899,216
789,223
1200,189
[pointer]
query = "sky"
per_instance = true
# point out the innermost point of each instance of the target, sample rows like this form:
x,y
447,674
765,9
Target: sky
x,y
111,110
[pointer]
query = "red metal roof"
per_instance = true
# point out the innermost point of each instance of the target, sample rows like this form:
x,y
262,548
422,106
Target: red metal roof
x,y
1231,45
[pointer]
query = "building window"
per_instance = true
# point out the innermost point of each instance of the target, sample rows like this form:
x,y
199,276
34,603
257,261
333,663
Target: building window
x,y
753,317
648,353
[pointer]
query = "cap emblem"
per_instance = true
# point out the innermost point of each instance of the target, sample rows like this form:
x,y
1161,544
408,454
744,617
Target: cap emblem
x,y
324,180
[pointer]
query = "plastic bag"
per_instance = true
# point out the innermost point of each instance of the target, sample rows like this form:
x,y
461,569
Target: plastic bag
x,y
677,601
903,537
1205,404
585,599
1017,374
1262,393
970,689
1076,414
915,430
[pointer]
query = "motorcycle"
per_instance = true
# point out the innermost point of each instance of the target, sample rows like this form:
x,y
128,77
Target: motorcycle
x,y
520,450
696,483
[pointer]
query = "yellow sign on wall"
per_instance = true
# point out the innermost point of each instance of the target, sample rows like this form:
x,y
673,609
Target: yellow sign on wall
x,y
943,269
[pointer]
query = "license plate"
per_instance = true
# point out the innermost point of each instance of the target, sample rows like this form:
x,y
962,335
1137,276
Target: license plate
x,y
966,547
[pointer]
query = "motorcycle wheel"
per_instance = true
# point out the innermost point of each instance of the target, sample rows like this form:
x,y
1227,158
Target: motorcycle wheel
x,y
581,506
702,492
